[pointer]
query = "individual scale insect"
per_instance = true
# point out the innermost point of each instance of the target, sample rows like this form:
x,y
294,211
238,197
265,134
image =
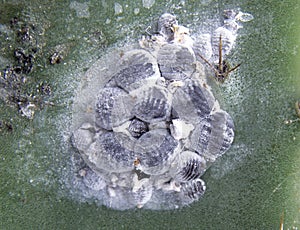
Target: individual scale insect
x,y
222,69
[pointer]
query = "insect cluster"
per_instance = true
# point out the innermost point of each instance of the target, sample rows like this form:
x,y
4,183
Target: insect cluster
x,y
154,129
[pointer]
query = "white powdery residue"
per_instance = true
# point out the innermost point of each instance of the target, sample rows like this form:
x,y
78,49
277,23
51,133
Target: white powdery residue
x,y
244,17
82,9
148,3
136,11
205,2
28,110
233,160
118,8
119,19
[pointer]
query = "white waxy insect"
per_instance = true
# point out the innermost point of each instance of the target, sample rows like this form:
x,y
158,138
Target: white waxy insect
x,y
244,17
203,46
228,32
110,107
155,150
141,191
193,190
192,102
228,41
190,166
182,36
213,135
176,62
165,26
93,180
135,69
152,104
83,137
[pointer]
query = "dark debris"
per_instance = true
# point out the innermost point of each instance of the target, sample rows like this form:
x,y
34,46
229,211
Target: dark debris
x,y
16,80
56,58
24,61
5,126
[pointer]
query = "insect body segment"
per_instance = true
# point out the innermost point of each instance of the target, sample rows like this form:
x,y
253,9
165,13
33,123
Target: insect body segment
x,y
222,69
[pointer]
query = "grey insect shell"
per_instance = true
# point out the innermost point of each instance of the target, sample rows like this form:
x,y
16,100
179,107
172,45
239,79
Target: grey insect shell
x,y
193,190
153,104
213,135
135,69
175,62
192,102
203,46
228,39
164,26
190,166
113,107
109,154
141,192
155,150
82,138
93,180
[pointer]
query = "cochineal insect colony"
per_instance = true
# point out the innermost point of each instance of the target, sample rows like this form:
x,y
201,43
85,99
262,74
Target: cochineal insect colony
x,y
146,124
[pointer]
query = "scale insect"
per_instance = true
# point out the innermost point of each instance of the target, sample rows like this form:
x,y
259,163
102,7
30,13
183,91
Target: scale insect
x,y
222,69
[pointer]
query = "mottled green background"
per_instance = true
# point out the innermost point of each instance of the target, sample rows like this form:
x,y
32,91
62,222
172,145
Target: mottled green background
x,y
253,186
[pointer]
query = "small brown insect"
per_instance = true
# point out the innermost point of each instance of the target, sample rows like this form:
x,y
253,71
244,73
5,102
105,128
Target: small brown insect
x,y
223,69
121,53
136,162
